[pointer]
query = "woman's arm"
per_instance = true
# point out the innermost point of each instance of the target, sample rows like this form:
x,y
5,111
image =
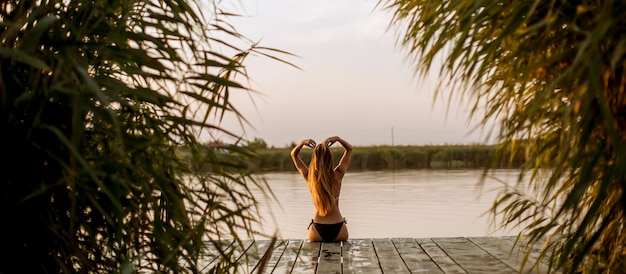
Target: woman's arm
x,y
297,161
343,164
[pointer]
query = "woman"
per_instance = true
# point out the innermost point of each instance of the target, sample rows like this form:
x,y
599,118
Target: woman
x,y
324,181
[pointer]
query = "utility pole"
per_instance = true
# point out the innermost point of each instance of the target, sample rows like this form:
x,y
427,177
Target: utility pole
x,y
392,141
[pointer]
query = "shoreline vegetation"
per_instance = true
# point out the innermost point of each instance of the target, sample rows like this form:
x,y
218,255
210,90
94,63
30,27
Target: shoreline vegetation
x,y
394,158
373,158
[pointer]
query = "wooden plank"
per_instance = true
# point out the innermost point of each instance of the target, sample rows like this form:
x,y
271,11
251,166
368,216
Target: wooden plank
x,y
307,258
287,261
250,261
505,252
238,251
213,254
440,257
359,256
274,257
388,257
414,257
471,257
543,265
330,258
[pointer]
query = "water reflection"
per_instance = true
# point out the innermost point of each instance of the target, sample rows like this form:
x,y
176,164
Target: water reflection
x,y
413,203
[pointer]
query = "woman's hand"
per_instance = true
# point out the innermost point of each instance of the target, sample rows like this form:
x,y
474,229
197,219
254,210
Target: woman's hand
x,y
308,142
331,140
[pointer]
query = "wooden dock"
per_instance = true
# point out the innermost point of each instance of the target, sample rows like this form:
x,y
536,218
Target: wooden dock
x,y
385,255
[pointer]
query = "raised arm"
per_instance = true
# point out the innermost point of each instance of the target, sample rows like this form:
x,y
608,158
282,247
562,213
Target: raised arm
x,y
297,161
343,164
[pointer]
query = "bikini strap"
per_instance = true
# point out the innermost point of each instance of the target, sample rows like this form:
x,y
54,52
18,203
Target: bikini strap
x,y
308,227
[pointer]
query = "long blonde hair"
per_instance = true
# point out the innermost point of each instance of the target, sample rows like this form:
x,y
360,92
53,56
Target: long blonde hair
x,y
321,179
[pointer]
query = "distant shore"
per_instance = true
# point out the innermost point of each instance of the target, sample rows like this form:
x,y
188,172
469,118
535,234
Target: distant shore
x,y
394,158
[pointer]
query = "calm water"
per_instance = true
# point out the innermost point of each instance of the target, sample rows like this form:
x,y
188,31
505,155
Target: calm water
x,y
415,203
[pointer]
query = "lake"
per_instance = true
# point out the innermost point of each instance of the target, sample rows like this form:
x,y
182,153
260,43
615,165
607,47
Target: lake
x,y
381,204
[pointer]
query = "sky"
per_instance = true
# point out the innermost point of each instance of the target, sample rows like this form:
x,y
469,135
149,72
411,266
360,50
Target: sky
x,y
353,80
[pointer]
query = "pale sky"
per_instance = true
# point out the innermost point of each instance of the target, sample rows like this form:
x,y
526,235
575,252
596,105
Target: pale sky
x,y
354,81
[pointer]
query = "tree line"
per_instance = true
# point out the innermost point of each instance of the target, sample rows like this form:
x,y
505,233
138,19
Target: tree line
x,y
395,157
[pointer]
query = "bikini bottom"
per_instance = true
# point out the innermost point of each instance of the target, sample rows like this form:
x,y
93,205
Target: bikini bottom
x,y
328,232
